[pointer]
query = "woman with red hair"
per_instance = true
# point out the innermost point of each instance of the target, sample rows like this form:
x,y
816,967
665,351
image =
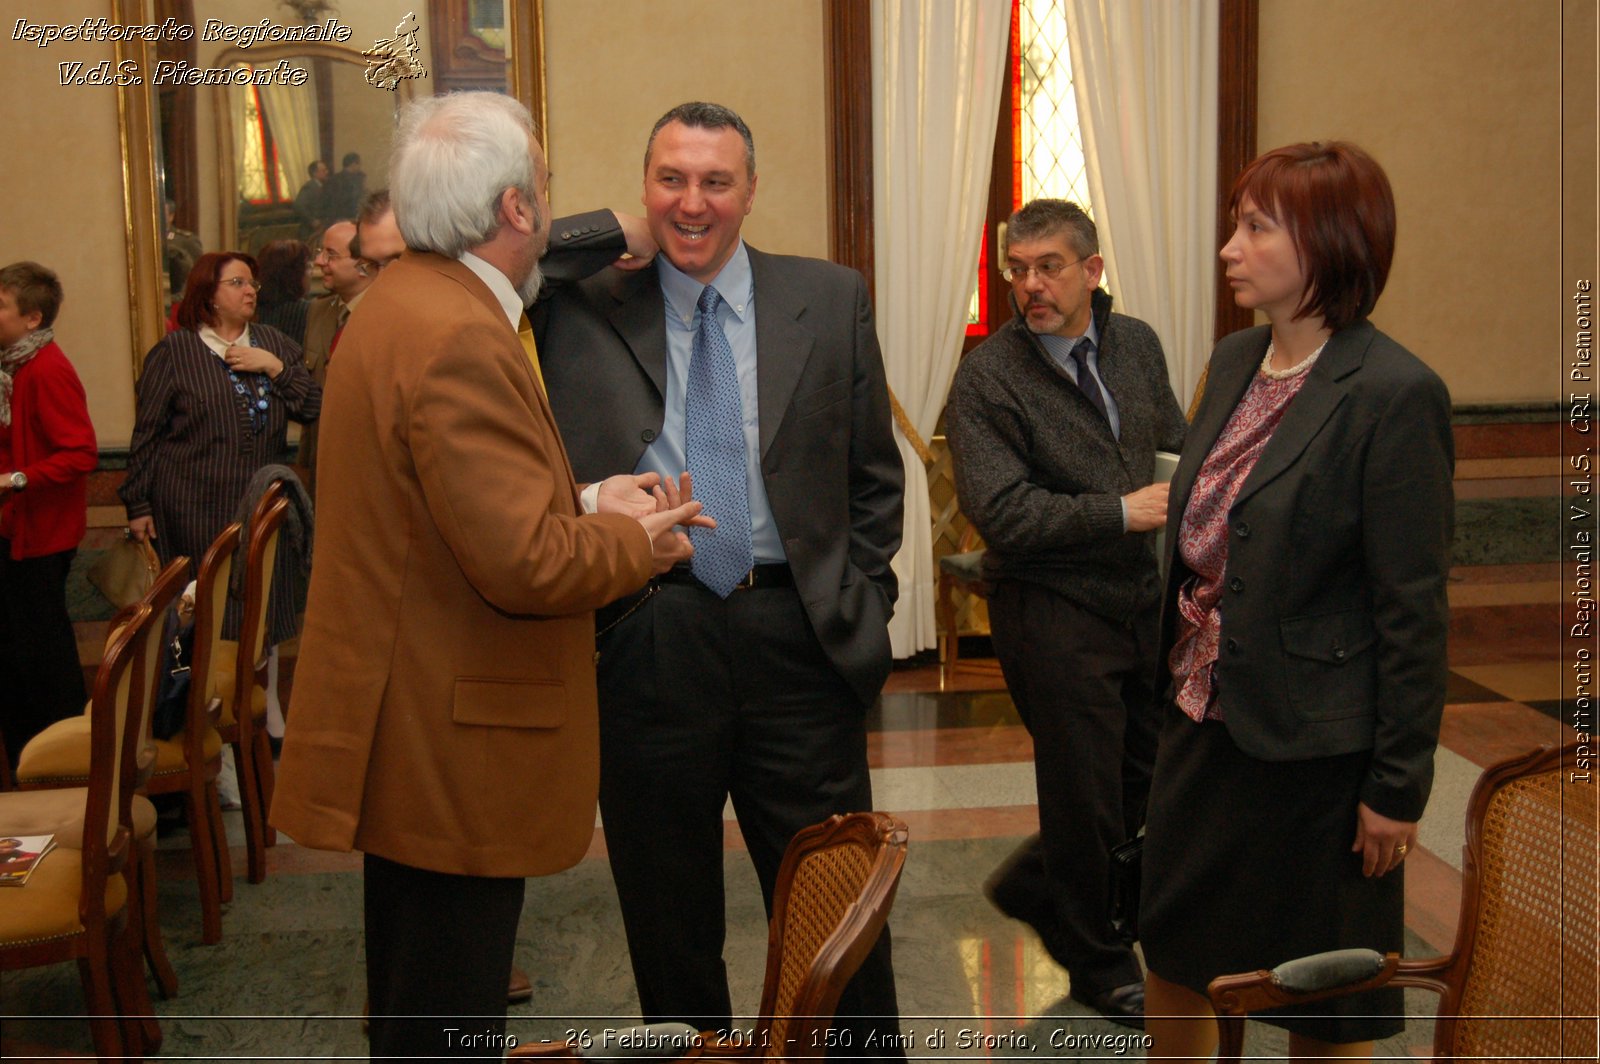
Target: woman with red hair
x,y
1305,619
214,403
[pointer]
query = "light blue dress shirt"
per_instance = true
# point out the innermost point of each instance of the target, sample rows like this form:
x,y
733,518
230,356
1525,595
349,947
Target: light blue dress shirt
x,y
665,455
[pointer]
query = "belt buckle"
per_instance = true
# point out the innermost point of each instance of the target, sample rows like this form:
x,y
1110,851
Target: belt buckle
x,y
747,582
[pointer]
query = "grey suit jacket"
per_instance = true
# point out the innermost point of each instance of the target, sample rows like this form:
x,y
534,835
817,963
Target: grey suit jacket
x,y
1334,614
828,456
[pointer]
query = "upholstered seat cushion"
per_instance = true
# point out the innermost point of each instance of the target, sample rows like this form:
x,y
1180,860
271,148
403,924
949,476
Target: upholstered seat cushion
x,y
60,753
967,565
223,659
47,907
59,812
169,752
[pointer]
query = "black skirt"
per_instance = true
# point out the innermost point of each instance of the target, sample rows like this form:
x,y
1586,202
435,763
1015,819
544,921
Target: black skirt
x,y
1247,864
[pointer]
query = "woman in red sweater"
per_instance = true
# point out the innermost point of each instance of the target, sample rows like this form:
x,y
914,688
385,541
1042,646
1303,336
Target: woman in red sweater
x,y
47,451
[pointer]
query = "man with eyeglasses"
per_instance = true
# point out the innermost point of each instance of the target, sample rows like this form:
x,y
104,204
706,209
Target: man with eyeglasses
x,y
378,241
347,278
1054,423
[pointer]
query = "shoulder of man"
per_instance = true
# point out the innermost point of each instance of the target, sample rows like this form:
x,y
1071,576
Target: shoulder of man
x,y
804,268
603,288
1126,329
1004,348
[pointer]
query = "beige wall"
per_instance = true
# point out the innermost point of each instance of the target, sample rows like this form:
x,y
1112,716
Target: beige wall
x,y
63,203
1460,102
1458,98
615,66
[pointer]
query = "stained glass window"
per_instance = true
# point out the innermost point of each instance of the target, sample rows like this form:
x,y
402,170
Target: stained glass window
x,y
1040,125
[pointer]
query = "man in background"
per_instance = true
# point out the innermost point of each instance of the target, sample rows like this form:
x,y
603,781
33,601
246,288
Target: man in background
x,y
311,202
1054,423
345,189
378,241
346,278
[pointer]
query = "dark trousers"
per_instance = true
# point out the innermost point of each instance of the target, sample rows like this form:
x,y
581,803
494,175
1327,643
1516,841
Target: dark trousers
x,y
43,682
438,956
1082,685
701,699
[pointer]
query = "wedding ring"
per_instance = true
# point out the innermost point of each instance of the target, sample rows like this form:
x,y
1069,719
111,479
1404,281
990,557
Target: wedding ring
x,y
1400,850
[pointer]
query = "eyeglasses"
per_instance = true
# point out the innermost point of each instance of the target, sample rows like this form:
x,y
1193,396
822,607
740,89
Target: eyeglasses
x,y
240,282
1048,271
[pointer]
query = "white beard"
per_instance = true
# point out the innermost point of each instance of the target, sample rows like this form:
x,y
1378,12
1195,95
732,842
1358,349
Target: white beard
x,y
528,290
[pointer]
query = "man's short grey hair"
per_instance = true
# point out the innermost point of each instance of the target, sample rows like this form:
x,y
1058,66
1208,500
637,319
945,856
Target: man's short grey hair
x,y
700,115
1044,218
454,157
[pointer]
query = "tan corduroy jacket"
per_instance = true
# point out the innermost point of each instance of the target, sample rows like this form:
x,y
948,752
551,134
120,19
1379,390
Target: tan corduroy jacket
x,y
443,711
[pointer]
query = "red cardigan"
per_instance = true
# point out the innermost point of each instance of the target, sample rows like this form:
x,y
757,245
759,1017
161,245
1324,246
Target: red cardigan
x,y
51,441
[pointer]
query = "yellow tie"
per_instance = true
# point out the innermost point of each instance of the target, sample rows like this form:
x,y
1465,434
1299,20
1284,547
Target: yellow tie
x,y
525,334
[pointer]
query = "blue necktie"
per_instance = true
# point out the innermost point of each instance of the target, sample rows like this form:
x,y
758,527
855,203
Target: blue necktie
x,y
1086,382
714,449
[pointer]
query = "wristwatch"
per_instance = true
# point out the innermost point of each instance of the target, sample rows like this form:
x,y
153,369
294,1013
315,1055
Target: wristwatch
x,y
19,480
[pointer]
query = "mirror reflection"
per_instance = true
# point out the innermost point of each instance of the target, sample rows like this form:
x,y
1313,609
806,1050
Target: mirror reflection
x,y
302,130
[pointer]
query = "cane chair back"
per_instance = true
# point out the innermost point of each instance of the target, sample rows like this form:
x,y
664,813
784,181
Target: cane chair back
x,y
1525,951
1520,982
833,895
832,898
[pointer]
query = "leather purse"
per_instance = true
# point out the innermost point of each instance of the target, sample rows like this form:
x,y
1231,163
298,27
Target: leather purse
x,y
125,571
1127,872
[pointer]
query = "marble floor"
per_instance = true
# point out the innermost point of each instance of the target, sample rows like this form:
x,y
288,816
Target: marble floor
x,y
949,757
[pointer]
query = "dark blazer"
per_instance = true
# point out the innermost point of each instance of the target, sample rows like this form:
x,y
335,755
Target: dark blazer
x,y
828,456
1334,614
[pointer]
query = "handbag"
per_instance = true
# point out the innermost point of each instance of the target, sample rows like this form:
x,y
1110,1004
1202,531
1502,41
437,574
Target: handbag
x,y
125,571
172,700
1127,872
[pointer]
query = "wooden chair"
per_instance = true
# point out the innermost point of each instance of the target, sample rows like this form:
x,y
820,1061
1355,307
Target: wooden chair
x,y
1520,983
76,905
56,807
238,682
190,762
833,895
186,764
963,571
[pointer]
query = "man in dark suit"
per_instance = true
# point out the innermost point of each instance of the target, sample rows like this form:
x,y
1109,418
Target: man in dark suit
x,y
345,188
747,675
311,202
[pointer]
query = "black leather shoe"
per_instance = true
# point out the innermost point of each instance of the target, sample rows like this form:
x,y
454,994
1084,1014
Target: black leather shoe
x,y
1018,887
1121,1004
1013,897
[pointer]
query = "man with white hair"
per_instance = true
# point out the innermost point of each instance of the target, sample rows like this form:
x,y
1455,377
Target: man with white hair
x,y
451,736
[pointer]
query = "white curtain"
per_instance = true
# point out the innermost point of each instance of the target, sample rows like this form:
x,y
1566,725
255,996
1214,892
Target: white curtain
x,y
937,70
1145,76
292,110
